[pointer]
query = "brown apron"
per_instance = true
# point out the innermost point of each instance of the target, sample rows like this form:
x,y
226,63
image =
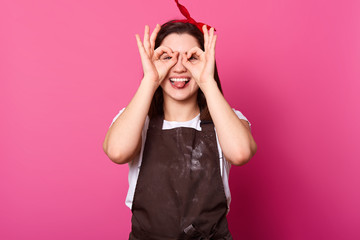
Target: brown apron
x,y
179,192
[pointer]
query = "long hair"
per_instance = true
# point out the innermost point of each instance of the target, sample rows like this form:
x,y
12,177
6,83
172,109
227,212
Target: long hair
x,y
156,106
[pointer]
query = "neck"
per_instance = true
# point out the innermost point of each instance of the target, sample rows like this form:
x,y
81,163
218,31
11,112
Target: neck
x,y
180,111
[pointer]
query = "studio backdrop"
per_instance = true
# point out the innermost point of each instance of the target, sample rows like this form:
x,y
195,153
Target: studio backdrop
x,y
67,67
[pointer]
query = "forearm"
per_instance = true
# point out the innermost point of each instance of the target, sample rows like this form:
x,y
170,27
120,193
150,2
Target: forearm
x,y
234,137
123,139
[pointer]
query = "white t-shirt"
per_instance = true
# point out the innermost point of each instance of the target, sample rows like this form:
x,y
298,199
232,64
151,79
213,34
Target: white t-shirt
x,y
134,165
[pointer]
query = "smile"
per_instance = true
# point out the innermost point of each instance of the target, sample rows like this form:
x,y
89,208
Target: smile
x,y
179,82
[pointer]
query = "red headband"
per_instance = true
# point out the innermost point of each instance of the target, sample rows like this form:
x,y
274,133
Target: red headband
x,y
189,19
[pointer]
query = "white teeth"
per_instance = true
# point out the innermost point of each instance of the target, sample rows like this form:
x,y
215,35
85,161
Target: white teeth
x,y
179,79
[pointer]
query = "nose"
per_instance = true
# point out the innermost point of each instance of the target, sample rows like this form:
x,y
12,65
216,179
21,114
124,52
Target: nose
x,y
179,67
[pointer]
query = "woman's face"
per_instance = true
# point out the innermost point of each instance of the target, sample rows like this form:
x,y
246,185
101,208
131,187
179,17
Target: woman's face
x,y
179,84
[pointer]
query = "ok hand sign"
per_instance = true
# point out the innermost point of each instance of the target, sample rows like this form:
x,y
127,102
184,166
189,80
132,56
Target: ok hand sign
x,y
201,63
154,67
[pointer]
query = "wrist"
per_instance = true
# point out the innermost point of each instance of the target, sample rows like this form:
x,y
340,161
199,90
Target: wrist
x,y
208,86
149,83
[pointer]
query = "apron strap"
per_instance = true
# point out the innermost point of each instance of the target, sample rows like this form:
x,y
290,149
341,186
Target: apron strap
x,y
156,122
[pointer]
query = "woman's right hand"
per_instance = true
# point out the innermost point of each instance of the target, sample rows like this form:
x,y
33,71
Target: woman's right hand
x,y
156,63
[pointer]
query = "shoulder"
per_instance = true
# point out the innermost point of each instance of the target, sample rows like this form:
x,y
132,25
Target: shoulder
x,y
242,117
146,125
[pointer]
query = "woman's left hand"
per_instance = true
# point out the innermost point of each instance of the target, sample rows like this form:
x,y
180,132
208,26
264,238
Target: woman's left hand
x,y
201,64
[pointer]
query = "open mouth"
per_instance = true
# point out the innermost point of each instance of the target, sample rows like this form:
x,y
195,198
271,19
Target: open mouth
x,y
179,82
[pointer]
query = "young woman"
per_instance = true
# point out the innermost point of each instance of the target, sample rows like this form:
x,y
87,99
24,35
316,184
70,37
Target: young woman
x,y
180,137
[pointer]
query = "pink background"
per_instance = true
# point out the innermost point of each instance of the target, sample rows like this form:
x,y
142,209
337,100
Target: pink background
x,y
291,67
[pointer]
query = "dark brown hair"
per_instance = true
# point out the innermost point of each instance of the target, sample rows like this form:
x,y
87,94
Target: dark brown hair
x,y
156,107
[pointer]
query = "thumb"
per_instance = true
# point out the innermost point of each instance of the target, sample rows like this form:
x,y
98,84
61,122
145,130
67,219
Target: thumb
x,y
173,60
186,63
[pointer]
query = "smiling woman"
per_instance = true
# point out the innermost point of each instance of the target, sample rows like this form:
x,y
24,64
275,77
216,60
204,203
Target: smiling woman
x,y
174,29
180,137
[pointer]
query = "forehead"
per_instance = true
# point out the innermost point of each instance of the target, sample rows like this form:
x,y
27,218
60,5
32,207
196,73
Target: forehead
x,y
180,42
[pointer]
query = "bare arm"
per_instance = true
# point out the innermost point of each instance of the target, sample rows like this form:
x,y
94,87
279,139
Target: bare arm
x,y
123,139
234,135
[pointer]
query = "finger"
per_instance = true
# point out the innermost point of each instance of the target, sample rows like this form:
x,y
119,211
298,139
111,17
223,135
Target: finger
x,y
211,36
206,36
161,50
140,45
146,39
154,35
185,61
173,60
195,51
213,44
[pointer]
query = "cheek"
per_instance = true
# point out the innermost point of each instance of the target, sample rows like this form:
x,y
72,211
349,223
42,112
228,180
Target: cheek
x,y
163,83
194,88
195,85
